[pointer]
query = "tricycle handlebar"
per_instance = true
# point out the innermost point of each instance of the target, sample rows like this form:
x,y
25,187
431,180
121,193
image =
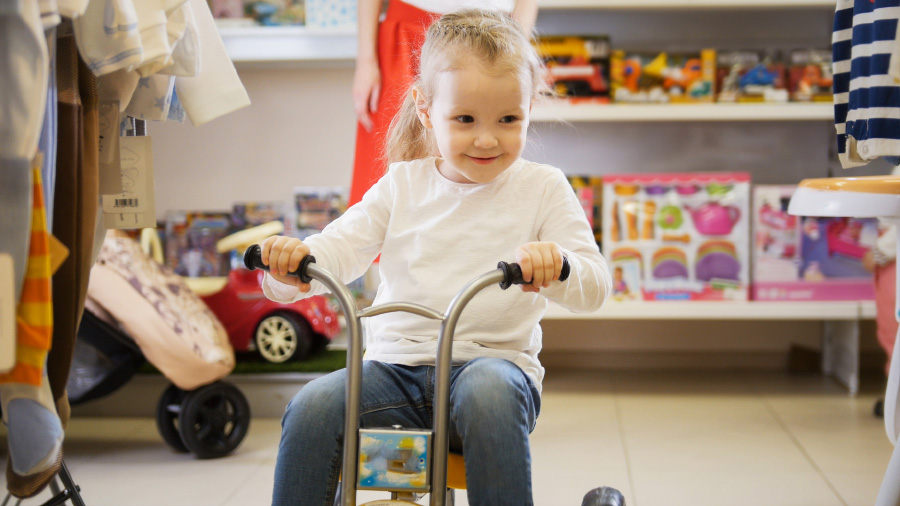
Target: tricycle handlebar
x,y
512,272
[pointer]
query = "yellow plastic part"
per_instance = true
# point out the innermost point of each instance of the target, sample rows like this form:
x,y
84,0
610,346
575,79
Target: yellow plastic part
x,y
865,184
456,471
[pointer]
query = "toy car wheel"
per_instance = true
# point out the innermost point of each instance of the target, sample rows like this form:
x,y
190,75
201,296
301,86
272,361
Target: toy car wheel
x,y
282,336
214,420
167,411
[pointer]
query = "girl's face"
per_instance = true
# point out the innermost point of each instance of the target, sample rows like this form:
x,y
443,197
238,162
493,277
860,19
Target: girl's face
x,y
479,121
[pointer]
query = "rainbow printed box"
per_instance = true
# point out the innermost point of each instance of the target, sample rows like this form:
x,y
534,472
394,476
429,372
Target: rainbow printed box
x,y
681,236
808,258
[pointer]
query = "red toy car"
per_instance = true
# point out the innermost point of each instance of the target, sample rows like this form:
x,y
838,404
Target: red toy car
x,y
278,332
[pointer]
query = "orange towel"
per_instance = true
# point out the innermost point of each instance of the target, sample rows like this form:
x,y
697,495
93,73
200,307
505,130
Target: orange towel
x,y
34,314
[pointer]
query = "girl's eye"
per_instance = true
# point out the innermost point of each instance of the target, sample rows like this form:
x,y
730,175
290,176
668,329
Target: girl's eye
x,y
465,119
509,119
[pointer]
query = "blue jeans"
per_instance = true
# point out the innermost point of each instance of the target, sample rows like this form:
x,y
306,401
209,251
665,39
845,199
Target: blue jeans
x,y
493,409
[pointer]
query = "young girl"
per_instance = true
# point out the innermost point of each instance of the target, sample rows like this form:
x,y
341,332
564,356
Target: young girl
x,y
438,222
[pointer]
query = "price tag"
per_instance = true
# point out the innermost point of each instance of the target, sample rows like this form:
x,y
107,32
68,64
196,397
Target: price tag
x,y
135,207
7,313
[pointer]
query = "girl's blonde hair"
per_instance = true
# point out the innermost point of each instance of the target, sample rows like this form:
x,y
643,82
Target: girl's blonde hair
x,y
457,39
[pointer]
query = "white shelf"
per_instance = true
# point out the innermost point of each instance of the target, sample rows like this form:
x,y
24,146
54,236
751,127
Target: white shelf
x,y
683,4
257,44
867,310
566,111
717,310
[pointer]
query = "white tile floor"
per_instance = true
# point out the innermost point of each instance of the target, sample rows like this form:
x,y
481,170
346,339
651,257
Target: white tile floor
x,y
662,438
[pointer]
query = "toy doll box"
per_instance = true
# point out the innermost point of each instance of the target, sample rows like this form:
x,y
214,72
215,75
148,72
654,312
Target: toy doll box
x,y
677,236
394,459
807,258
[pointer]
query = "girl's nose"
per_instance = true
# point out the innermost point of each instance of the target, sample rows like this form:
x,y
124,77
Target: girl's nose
x,y
485,139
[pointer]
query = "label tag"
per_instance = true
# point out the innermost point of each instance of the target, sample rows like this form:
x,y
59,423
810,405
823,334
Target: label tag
x,y
110,166
7,313
135,207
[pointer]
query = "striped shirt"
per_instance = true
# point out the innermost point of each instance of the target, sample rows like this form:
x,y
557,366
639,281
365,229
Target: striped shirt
x,y
866,64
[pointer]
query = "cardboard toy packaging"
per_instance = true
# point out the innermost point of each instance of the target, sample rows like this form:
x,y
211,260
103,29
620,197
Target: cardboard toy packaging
x,y
810,76
750,76
663,77
808,258
677,236
577,66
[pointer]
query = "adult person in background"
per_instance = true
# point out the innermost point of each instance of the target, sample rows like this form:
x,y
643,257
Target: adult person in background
x,y
386,64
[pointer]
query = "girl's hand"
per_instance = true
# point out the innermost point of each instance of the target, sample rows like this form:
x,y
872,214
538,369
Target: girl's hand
x,y
541,263
282,255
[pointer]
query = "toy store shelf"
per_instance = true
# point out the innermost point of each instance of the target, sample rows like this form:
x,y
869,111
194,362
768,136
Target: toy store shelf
x,y
682,4
867,310
566,111
715,310
272,44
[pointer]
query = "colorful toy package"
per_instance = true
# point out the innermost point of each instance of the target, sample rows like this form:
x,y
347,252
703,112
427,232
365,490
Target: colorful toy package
x,y
663,77
191,238
810,76
748,76
677,236
589,190
807,258
578,66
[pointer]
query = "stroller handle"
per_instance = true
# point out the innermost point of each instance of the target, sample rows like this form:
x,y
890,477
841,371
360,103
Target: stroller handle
x,y
506,274
512,272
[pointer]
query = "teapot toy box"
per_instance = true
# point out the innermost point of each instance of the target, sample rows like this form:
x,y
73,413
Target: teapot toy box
x,y
677,236
808,258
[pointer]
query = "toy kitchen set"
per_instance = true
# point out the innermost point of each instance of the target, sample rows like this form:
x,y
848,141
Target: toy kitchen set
x,y
677,236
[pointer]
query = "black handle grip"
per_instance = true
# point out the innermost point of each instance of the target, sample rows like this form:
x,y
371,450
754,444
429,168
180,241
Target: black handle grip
x,y
253,260
512,273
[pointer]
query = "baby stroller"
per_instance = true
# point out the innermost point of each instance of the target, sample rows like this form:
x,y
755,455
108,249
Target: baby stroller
x,y
137,310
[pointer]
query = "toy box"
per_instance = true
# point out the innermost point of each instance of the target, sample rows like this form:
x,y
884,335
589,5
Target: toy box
x,y
191,238
663,77
315,207
331,13
677,236
810,76
589,190
578,66
748,76
807,258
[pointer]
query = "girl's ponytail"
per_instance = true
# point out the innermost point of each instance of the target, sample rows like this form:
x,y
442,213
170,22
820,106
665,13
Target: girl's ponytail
x,y
408,139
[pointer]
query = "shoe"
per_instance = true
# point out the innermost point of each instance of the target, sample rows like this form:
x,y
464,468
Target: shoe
x,y
603,496
878,410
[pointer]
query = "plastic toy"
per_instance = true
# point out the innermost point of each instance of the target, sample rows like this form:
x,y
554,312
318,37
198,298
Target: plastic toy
x,y
420,457
277,332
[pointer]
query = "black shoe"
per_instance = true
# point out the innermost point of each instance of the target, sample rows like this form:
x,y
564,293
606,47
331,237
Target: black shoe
x,y
878,410
603,496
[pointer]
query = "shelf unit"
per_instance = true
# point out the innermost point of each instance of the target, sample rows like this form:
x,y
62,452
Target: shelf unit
x,y
272,46
682,4
722,310
562,110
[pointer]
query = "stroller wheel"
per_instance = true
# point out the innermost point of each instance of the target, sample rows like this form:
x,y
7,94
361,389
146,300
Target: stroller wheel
x,y
214,420
167,417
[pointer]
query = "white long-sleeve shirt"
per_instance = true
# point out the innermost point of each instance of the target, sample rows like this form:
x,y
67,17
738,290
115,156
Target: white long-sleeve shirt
x,y
434,236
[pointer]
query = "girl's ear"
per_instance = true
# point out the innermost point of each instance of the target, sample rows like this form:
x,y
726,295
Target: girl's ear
x,y
421,107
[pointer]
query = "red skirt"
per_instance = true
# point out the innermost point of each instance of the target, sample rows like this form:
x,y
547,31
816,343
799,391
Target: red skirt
x,y
400,36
